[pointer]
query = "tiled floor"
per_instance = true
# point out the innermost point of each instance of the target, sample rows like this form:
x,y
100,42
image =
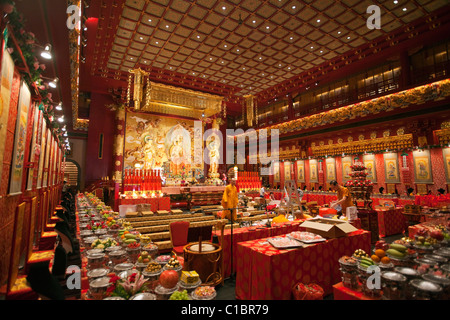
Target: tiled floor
x,y
227,290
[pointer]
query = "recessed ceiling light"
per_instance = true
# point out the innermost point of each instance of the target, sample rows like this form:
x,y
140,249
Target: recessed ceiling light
x,y
224,8
294,7
254,21
312,47
141,38
237,50
210,59
149,20
395,1
291,38
318,20
348,38
267,27
167,26
321,51
404,9
260,58
225,46
339,32
157,42
198,37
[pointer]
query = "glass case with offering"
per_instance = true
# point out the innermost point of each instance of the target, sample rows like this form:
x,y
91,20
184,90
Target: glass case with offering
x,y
189,281
96,260
393,285
163,293
98,288
204,293
173,264
133,250
162,259
152,249
364,273
152,272
425,290
349,272
117,257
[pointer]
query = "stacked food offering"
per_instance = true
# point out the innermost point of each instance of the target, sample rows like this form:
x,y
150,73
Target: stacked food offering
x,y
360,188
401,270
122,264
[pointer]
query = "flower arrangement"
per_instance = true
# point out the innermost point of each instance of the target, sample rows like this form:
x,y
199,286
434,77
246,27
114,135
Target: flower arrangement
x,y
358,174
126,288
357,167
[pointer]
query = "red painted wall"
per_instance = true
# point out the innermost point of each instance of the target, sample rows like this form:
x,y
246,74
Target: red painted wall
x,y
101,121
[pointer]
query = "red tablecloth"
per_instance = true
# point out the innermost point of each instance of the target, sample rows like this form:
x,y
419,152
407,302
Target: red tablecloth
x,y
391,222
246,234
404,202
266,273
433,201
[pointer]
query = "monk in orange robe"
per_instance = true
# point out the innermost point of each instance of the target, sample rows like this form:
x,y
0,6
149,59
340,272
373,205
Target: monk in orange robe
x,y
230,201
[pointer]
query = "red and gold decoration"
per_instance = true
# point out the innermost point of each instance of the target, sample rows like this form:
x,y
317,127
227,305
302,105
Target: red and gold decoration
x,y
431,92
139,77
248,181
144,181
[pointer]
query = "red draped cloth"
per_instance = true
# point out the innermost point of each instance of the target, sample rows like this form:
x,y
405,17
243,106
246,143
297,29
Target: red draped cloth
x,y
266,273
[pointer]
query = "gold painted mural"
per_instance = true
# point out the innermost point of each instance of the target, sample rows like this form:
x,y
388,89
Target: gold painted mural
x,y
155,142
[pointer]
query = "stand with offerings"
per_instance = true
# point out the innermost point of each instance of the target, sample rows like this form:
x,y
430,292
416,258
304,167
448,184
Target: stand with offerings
x,y
360,188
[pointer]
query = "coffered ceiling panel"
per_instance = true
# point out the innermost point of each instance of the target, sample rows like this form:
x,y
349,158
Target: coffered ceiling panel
x,y
234,48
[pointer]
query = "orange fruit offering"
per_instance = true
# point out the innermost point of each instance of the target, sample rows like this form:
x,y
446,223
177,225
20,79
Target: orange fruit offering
x,y
375,258
385,260
380,253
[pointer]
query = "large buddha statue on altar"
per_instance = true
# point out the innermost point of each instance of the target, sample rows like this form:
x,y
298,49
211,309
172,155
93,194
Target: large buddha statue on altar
x,y
178,149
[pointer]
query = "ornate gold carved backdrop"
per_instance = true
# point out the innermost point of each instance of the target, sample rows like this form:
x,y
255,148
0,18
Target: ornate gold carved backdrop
x,y
162,142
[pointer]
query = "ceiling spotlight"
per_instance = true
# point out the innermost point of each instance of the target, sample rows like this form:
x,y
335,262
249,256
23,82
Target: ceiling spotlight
x,y
61,119
59,107
404,9
47,54
54,83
